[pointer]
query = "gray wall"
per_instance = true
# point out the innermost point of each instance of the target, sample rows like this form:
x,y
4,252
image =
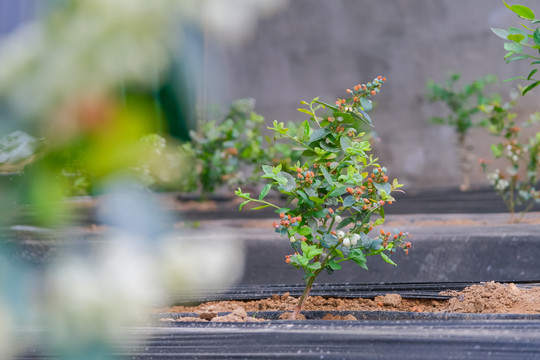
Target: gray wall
x,y
320,48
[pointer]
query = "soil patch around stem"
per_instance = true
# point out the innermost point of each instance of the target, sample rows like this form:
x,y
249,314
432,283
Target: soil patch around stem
x,y
490,297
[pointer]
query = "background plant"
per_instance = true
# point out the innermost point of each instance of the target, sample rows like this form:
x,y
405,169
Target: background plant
x,y
336,196
229,152
463,105
524,43
517,183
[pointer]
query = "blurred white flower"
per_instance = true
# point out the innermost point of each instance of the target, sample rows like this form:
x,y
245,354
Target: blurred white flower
x,y
92,298
200,260
501,185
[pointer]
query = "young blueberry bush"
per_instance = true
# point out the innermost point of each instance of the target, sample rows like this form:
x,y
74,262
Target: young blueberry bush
x,y
464,114
517,183
336,196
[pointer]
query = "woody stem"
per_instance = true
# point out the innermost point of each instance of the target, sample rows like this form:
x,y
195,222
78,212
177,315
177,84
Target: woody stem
x,y
305,294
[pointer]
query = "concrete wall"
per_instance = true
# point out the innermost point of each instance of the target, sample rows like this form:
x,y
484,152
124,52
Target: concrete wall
x,y
320,48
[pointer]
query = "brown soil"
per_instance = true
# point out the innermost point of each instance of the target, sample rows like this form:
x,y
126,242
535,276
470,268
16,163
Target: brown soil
x,y
486,298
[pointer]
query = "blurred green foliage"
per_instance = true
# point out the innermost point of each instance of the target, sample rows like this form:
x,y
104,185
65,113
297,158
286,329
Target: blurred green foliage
x,y
523,43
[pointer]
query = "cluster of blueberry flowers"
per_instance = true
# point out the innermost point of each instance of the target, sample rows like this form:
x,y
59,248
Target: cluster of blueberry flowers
x,y
361,91
497,180
514,150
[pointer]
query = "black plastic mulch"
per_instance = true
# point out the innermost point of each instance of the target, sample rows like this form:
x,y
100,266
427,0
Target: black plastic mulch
x,y
427,290
390,339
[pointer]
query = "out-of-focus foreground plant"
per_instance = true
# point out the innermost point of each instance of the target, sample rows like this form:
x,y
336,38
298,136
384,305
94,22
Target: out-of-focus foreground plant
x,y
81,89
463,105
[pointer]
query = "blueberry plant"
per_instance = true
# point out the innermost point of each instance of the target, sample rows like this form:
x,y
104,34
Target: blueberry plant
x,y
523,43
336,196
464,113
222,150
517,183
515,187
230,151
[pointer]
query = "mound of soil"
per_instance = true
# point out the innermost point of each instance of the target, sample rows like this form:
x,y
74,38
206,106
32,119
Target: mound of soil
x,y
490,297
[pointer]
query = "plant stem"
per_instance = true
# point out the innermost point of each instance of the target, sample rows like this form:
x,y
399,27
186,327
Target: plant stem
x,y
309,284
264,202
298,141
305,294
511,201
522,214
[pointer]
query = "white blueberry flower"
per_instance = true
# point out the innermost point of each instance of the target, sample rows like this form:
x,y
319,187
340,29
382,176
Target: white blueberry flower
x,y
338,218
346,242
354,240
340,234
501,185
293,239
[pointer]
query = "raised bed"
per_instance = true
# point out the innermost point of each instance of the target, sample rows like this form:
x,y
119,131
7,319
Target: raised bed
x,y
449,251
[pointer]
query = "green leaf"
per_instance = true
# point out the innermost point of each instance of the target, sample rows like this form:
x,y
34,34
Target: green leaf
x,y
329,241
327,176
333,265
290,184
502,33
516,37
514,58
265,190
304,231
387,259
515,31
302,260
328,148
530,87
521,11
242,204
345,143
267,169
364,117
349,201
305,111
376,244
345,222
358,257
340,190
282,210
497,150
318,134
314,266
514,78
536,36
303,131
386,187
305,198
345,117
316,200
366,104
531,74
515,47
